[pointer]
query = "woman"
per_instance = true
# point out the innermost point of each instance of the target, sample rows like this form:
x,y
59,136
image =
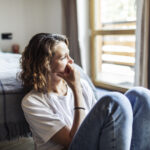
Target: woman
x,y
62,111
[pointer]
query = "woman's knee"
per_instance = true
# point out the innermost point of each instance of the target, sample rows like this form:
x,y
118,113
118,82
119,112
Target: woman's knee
x,y
139,96
115,101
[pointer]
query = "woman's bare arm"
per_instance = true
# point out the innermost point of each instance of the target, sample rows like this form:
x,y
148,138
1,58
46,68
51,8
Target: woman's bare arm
x,y
65,135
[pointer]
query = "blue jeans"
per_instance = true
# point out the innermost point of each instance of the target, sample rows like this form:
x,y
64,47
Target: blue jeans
x,y
116,122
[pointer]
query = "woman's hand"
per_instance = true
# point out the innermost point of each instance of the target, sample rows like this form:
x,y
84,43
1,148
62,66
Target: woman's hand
x,y
71,76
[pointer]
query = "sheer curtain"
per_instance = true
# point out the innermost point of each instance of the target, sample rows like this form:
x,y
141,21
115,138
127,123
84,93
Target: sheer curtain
x,y
71,29
143,44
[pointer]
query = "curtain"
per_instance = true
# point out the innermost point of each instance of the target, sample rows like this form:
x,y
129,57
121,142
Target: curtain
x,y
71,29
142,71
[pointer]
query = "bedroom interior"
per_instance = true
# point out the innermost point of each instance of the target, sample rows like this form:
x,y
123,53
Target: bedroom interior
x,y
21,19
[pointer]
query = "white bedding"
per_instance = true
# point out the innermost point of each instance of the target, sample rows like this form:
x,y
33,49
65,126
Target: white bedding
x,y
9,64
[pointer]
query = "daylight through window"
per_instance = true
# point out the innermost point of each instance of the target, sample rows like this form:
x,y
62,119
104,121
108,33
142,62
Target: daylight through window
x,y
113,24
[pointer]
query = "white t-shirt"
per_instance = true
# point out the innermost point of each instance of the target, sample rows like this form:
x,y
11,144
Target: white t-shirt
x,y
48,113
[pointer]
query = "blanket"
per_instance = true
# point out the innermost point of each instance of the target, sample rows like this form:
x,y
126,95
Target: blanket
x,y
12,122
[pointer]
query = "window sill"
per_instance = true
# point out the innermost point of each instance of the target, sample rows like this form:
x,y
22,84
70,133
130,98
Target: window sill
x,y
110,86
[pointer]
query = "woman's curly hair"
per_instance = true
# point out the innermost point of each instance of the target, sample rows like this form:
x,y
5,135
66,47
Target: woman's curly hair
x,y
36,59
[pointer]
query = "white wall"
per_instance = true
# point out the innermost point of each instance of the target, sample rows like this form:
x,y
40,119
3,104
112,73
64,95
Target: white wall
x,y
24,18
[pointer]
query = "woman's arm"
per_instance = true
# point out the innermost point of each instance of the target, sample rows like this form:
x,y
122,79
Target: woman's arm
x,y
79,114
65,135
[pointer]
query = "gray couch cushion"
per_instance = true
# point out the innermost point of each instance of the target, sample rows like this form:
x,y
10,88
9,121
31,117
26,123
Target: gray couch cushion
x,y
86,77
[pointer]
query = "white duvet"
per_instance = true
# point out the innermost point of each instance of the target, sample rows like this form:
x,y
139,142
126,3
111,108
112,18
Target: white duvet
x,y
9,64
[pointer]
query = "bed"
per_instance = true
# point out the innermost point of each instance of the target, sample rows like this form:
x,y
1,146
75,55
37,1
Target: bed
x,y
12,122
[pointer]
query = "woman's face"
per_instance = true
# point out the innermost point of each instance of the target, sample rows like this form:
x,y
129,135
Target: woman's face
x,y
61,58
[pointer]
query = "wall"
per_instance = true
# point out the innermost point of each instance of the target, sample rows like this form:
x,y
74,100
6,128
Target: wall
x,y
24,18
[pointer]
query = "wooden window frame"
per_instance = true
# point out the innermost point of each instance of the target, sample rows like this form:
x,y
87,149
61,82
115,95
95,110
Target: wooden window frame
x,y
93,35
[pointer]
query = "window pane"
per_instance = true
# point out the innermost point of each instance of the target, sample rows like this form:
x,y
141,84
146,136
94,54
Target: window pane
x,y
109,14
115,55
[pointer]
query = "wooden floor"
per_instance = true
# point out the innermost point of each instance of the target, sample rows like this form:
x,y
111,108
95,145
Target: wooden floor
x,y
19,144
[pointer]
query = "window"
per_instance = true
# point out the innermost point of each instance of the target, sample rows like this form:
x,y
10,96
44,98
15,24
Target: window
x,y
113,24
